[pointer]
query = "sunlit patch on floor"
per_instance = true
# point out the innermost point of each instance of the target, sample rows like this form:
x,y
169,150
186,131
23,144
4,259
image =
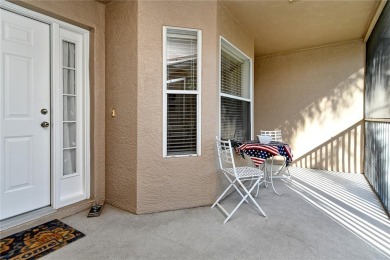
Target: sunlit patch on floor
x,y
347,199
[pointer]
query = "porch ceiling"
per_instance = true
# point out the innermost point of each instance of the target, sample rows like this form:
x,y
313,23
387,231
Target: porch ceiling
x,y
282,25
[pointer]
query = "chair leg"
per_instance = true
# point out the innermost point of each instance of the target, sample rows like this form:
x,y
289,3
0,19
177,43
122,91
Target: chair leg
x,y
286,175
244,190
266,175
258,185
287,170
265,178
234,210
272,184
248,194
238,190
289,173
223,194
269,176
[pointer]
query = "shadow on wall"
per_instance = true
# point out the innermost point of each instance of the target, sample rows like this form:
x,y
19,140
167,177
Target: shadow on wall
x,y
342,153
332,125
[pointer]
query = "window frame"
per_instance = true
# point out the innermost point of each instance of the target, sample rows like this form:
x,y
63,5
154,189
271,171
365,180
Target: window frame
x,y
232,48
196,92
80,178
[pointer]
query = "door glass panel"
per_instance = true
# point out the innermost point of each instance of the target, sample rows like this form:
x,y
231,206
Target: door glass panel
x,y
69,107
69,135
69,161
71,55
69,81
65,54
68,54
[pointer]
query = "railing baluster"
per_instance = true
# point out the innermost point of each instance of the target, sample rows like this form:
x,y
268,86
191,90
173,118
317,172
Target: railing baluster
x,y
377,157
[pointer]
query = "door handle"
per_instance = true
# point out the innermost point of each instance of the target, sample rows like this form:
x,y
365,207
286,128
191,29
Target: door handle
x,y
45,124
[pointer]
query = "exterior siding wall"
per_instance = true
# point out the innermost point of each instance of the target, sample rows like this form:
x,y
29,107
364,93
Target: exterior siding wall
x,y
231,30
121,95
316,98
183,182
175,183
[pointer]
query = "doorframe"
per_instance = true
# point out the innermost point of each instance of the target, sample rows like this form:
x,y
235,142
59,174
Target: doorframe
x,y
55,102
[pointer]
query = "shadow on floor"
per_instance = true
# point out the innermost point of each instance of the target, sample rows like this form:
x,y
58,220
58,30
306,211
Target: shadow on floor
x,y
346,222
347,199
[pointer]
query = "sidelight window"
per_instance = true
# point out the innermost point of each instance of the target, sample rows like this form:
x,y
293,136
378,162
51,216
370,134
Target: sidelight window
x,y
69,118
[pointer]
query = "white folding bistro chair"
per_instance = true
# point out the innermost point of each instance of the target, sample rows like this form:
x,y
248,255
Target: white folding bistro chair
x,y
237,176
276,135
275,165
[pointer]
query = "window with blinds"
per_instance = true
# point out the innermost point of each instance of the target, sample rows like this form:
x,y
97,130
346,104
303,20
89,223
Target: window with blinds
x,y
181,91
235,93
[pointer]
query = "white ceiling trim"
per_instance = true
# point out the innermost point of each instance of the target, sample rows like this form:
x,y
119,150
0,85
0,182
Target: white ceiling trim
x,y
374,19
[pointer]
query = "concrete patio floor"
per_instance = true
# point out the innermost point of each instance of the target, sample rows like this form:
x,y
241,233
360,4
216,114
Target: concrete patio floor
x,y
321,215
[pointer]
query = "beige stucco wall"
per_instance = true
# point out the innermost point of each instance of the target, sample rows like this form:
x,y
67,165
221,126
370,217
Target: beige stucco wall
x,y
121,95
174,183
316,98
229,28
139,179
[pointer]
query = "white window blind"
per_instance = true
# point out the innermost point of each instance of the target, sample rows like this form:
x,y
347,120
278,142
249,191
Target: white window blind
x,y
181,91
235,119
231,74
235,94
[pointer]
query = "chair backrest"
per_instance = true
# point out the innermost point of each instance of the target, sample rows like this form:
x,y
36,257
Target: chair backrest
x,y
276,135
225,154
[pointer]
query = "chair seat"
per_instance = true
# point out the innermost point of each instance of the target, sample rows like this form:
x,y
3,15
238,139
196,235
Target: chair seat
x,y
244,172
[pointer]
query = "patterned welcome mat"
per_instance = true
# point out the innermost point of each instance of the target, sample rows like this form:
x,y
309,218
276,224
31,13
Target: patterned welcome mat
x,y
38,241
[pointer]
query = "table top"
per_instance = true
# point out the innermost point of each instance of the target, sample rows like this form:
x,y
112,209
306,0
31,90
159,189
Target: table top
x,y
260,152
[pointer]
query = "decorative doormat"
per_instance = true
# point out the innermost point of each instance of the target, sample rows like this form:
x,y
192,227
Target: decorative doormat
x,y
38,241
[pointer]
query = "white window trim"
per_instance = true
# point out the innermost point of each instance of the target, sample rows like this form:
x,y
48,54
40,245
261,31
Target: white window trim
x,y
197,92
66,182
250,99
56,109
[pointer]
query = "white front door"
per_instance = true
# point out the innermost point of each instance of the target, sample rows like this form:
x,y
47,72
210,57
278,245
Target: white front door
x,y
24,93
